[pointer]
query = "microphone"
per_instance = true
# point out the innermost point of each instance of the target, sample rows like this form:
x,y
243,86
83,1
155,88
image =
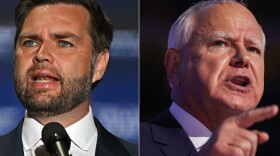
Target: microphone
x,y
56,139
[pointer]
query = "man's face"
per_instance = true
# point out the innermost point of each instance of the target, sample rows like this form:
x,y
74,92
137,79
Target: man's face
x,y
53,72
222,68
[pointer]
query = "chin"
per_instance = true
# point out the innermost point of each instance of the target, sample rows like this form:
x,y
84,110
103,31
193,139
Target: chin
x,y
235,104
241,104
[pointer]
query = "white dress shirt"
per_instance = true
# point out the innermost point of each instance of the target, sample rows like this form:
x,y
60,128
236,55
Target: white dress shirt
x,y
83,135
197,132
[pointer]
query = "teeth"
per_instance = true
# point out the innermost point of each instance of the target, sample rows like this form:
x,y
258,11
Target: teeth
x,y
243,81
40,78
240,81
43,79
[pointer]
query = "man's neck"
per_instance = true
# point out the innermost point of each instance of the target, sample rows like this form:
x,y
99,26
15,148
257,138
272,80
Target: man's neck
x,y
68,118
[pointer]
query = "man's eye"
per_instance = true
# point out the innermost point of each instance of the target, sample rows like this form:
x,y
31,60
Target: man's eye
x,y
254,50
29,43
219,44
65,44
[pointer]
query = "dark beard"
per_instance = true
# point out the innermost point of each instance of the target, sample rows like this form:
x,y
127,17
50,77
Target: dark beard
x,y
40,103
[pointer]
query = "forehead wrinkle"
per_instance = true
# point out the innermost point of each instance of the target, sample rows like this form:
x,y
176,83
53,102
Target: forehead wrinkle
x,y
216,35
220,34
225,35
64,35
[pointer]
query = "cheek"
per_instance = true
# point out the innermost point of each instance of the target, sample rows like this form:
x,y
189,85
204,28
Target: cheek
x,y
76,67
258,72
260,78
209,71
21,66
199,78
23,61
261,72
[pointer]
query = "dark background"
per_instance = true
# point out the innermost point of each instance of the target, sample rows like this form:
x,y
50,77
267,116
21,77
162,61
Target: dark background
x,y
156,18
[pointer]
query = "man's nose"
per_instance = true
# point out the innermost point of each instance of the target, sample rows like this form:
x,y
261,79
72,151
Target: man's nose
x,y
241,58
44,54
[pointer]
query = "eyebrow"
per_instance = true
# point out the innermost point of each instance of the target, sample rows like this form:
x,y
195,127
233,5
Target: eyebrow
x,y
64,35
59,35
28,35
221,34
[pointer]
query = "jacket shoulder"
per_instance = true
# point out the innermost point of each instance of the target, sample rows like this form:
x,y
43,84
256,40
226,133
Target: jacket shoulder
x,y
111,145
149,146
11,143
130,147
164,136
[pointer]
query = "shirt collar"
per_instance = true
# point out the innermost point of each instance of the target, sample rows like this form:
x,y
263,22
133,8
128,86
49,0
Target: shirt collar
x,y
197,132
31,132
87,128
190,124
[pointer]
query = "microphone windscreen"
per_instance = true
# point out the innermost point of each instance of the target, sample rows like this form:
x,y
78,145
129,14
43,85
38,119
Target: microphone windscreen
x,y
53,132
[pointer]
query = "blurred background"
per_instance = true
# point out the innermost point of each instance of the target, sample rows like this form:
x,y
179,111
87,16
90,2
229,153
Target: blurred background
x,y
115,98
156,19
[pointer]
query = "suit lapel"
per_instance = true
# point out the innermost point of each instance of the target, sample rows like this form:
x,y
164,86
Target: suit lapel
x,y
168,132
18,137
11,143
108,144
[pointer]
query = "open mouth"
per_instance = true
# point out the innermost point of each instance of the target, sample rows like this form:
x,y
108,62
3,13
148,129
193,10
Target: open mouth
x,y
240,81
44,77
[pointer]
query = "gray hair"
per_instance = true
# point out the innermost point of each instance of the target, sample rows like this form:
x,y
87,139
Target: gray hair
x,y
181,30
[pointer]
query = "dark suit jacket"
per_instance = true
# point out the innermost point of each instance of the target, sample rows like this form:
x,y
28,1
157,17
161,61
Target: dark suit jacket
x,y
107,143
164,137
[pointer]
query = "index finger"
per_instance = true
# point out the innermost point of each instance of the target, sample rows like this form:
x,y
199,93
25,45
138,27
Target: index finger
x,y
251,117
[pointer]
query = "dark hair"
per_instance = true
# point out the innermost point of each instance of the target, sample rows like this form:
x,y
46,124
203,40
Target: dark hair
x,y
100,27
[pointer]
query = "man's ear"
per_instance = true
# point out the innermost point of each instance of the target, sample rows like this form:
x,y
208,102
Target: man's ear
x,y
172,63
100,66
